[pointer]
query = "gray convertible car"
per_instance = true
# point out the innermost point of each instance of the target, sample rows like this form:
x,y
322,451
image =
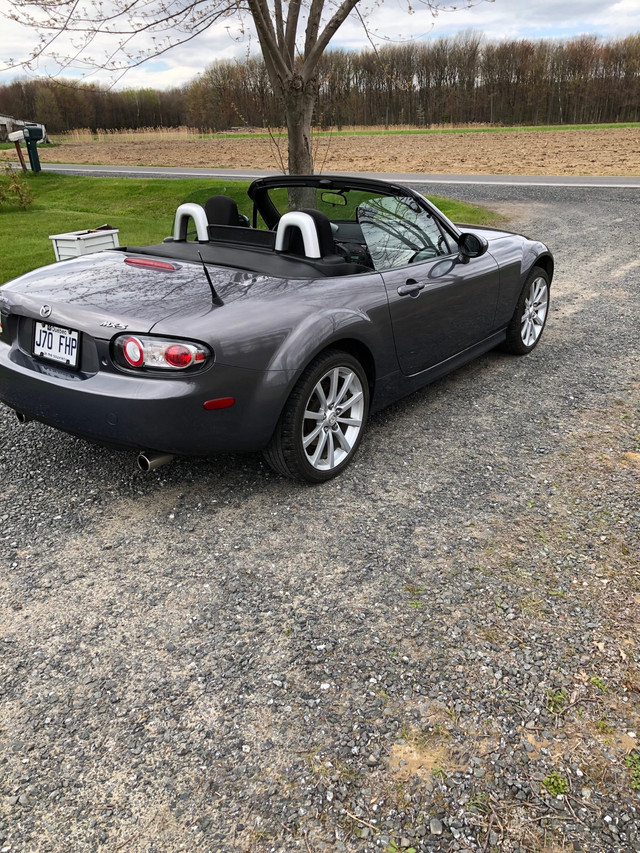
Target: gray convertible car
x,y
279,331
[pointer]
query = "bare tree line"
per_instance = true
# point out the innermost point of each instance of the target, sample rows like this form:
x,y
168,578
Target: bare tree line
x,y
64,106
462,80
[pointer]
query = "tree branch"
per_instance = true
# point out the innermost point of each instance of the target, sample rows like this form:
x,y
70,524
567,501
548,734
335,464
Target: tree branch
x,y
292,30
279,23
274,61
313,56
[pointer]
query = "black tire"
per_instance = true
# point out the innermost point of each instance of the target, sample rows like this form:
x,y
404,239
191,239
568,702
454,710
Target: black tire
x,y
529,319
322,422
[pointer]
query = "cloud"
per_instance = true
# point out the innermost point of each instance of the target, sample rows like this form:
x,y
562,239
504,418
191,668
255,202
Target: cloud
x,y
502,19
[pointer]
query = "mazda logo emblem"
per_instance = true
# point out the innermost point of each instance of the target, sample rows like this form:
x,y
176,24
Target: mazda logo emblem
x,y
45,311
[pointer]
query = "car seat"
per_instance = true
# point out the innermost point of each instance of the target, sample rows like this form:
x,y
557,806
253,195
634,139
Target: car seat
x,y
223,210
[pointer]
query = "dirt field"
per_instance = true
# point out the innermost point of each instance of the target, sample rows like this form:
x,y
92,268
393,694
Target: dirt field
x,y
571,152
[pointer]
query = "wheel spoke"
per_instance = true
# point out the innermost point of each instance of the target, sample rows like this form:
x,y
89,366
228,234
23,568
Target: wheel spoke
x,y
315,460
350,421
345,387
342,439
331,460
539,292
313,416
319,393
350,403
540,309
333,386
307,440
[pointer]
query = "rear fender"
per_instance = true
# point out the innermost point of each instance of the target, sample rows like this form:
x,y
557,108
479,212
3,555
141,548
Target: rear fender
x,y
316,333
321,331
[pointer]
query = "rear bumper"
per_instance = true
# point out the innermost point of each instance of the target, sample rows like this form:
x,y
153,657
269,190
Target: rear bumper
x,y
147,412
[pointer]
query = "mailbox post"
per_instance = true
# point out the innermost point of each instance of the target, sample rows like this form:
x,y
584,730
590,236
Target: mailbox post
x,y
31,134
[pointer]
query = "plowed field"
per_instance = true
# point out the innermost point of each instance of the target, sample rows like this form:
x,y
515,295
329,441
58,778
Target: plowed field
x,y
566,152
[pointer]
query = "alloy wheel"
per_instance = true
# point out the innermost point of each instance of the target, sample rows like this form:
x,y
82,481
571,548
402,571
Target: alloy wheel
x,y
536,305
333,418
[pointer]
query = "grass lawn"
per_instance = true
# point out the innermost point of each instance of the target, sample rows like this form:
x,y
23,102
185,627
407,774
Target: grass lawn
x,y
142,209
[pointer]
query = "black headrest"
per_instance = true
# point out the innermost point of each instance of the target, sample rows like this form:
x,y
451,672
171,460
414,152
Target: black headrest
x,y
325,232
221,210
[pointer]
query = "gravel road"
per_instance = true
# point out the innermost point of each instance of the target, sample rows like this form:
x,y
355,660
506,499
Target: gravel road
x,y
439,651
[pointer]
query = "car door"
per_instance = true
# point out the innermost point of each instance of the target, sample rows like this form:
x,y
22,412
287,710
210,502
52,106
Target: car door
x,y
440,303
440,307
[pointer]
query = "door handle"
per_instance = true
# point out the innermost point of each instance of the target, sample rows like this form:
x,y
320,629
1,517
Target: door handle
x,y
411,288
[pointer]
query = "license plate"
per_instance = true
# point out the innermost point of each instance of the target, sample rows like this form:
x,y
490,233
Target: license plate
x,y
56,344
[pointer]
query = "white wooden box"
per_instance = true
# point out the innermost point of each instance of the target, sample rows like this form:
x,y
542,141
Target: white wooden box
x,y
76,243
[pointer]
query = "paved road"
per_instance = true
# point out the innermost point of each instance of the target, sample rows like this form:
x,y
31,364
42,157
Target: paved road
x,y
211,657
251,174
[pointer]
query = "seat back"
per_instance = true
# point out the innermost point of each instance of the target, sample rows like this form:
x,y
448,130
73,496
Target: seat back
x,y
305,233
223,210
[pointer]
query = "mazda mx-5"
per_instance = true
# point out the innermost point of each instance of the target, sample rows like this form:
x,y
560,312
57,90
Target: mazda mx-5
x,y
281,329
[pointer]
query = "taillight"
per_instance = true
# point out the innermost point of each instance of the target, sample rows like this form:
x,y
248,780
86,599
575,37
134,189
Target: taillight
x,y
145,351
133,351
178,355
151,264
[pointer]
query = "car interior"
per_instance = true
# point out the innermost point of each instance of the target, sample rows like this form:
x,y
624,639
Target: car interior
x,y
340,233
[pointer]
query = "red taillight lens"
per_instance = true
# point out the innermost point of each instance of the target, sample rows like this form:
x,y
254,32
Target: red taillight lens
x,y
149,352
133,351
178,355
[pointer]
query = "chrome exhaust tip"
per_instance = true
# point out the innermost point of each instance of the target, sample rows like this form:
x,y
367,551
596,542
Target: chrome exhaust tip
x,y
22,418
149,461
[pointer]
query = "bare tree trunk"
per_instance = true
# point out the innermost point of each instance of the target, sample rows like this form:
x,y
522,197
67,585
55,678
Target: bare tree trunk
x,y
299,101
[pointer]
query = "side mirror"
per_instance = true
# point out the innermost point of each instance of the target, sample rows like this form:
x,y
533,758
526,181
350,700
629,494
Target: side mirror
x,y
471,246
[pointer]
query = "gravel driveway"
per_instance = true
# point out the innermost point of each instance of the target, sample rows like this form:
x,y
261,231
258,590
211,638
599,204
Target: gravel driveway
x,y
438,651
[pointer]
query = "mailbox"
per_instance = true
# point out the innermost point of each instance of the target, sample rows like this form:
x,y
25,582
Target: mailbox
x,y
33,132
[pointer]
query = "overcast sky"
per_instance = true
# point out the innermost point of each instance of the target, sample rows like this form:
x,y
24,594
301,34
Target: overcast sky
x,y
502,19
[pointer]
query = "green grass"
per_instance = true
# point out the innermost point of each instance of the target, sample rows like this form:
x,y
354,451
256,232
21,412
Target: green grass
x,y
430,131
633,763
555,783
142,209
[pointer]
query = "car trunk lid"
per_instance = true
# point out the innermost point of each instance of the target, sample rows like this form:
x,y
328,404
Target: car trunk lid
x,y
103,292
